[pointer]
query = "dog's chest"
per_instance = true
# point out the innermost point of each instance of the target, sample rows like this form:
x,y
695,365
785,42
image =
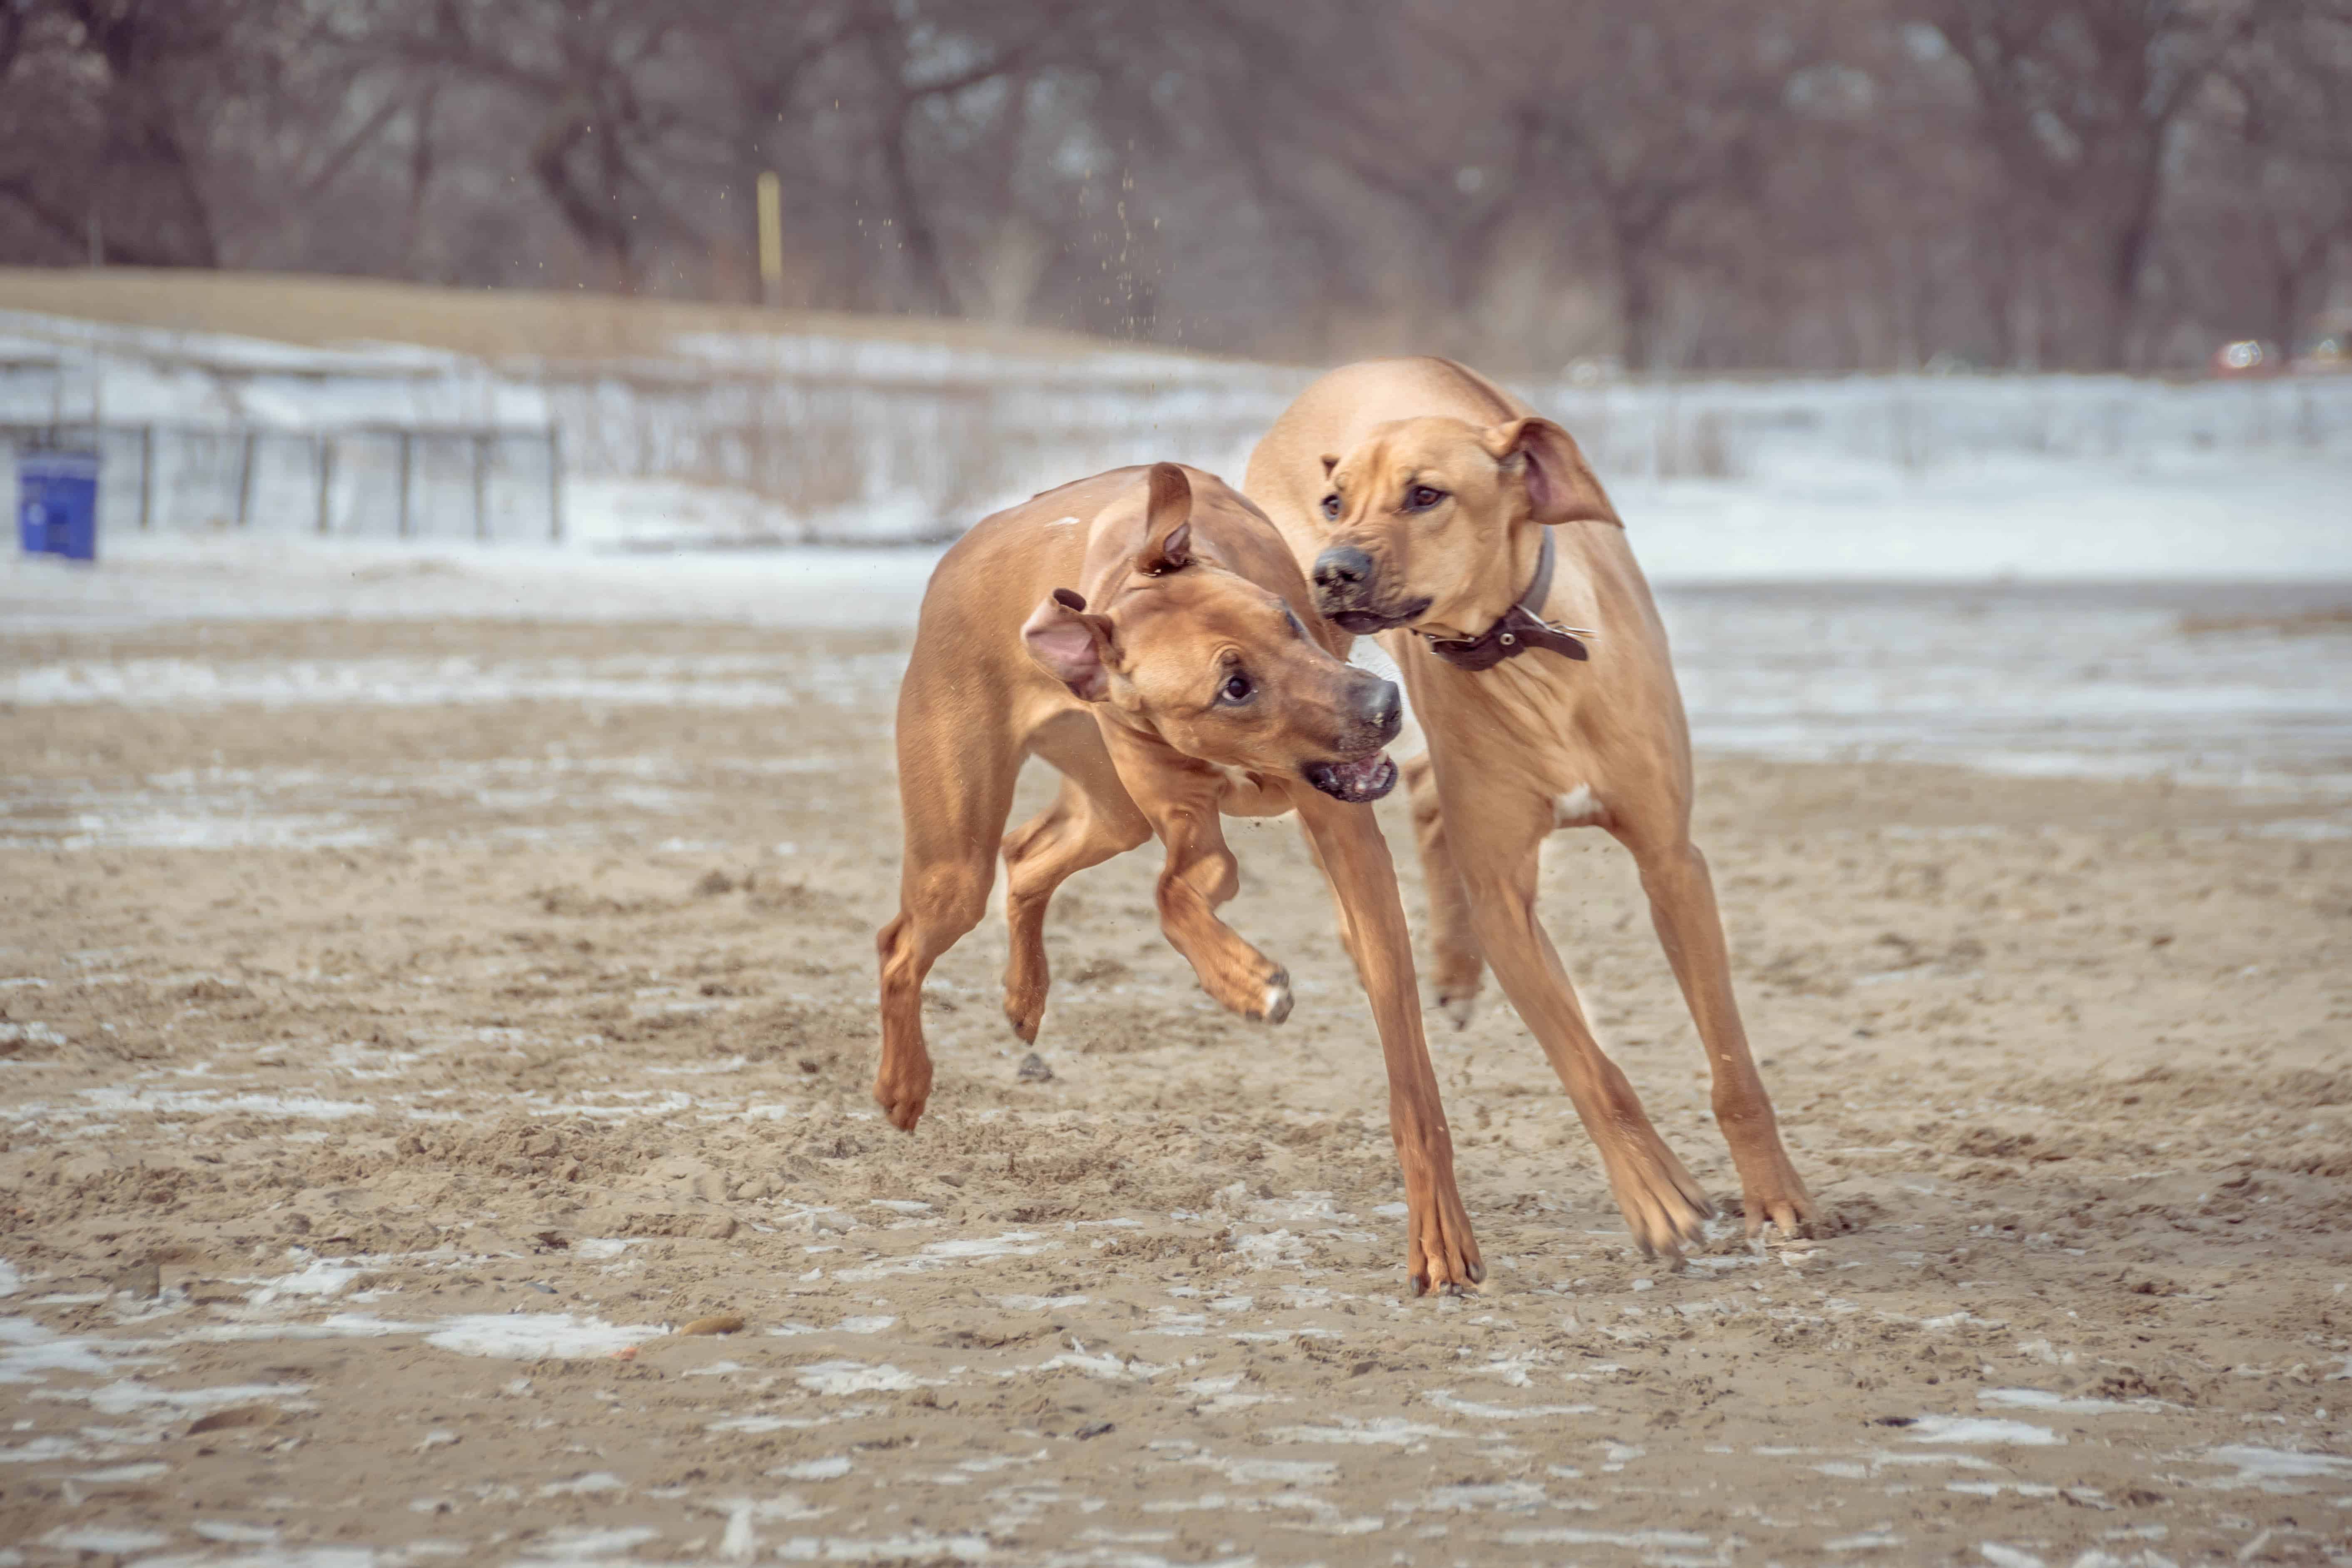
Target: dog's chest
x,y
1246,793
1577,807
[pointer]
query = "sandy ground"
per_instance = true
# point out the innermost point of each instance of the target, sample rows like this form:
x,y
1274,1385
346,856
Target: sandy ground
x,y
383,1088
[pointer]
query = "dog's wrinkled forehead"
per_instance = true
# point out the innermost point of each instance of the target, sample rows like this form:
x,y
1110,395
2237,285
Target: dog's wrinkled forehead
x,y
1431,449
1201,607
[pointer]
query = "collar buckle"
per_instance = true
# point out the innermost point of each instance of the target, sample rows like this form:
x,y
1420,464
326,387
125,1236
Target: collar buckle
x,y
1519,630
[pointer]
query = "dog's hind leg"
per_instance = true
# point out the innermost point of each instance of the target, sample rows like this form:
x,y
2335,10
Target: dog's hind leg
x,y
1456,967
955,786
1498,836
1091,820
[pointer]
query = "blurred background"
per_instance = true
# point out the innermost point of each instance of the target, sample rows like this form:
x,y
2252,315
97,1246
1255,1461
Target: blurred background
x,y
1804,185
2025,294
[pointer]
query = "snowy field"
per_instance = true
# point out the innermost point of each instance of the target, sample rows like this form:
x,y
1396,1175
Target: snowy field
x,y
777,439
2246,685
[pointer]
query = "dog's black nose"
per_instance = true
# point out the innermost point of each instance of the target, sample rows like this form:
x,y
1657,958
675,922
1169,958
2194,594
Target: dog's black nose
x,y
1382,708
1341,568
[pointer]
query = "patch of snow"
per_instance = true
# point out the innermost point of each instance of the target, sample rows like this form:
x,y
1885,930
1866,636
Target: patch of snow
x,y
1980,1429
839,1378
2039,1399
534,1336
1381,1430
1445,1400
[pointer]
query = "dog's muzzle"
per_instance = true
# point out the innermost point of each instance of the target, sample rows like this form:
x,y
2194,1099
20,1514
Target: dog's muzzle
x,y
1377,714
1365,779
1347,594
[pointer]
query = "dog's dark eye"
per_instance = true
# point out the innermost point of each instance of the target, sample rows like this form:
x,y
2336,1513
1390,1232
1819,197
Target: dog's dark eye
x,y
1421,497
1331,506
1236,689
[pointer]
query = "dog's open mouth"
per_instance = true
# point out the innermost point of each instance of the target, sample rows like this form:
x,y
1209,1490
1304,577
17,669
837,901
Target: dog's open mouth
x,y
1359,620
1365,778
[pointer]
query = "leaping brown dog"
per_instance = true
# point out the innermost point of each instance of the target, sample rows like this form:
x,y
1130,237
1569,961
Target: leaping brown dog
x,y
1148,633
1432,507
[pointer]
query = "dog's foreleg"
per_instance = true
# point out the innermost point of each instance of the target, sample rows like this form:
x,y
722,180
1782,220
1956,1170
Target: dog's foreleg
x,y
1440,1251
1201,874
1180,802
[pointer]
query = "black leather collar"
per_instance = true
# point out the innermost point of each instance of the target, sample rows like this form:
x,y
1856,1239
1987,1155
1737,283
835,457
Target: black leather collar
x,y
1519,630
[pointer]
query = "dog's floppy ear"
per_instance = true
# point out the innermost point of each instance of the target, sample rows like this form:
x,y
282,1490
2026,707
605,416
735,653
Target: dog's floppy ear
x,y
1167,522
1068,644
1560,486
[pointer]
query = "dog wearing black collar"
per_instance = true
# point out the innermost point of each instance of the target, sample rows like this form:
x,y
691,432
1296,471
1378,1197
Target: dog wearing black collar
x,y
1435,511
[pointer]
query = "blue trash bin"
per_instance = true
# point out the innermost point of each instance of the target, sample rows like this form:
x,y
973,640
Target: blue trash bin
x,y
57,503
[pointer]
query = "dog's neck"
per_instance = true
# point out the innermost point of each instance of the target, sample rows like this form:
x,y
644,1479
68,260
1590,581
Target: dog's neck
x,y
1486,601
1519,627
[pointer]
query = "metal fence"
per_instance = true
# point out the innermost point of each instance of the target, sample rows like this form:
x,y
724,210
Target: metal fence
x,y
377,480
958,440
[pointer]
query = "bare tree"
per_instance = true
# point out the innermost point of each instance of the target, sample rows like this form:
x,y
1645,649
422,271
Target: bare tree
x,y
2079,99
104,107
1828,183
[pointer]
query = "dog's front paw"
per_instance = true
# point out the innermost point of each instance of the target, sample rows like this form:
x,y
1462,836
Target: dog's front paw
x,y
1441,1255
1277,1005
1773,1194
1664,1207
902,1089
1256,989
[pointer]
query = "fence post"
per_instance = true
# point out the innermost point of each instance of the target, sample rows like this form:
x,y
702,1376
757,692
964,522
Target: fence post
x,y
481,482
407,446
146,478
555,484
326,481
245,479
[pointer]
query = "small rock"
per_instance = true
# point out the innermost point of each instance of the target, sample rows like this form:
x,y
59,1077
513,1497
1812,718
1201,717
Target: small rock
x,y
1035,1071
237,1416
1094,1429
719,1229
713,884
295,1224
439,1437
144,1281
717,1324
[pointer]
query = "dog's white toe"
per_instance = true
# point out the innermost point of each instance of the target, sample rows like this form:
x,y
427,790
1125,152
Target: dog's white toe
x,y
1461,1009
1277,1001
